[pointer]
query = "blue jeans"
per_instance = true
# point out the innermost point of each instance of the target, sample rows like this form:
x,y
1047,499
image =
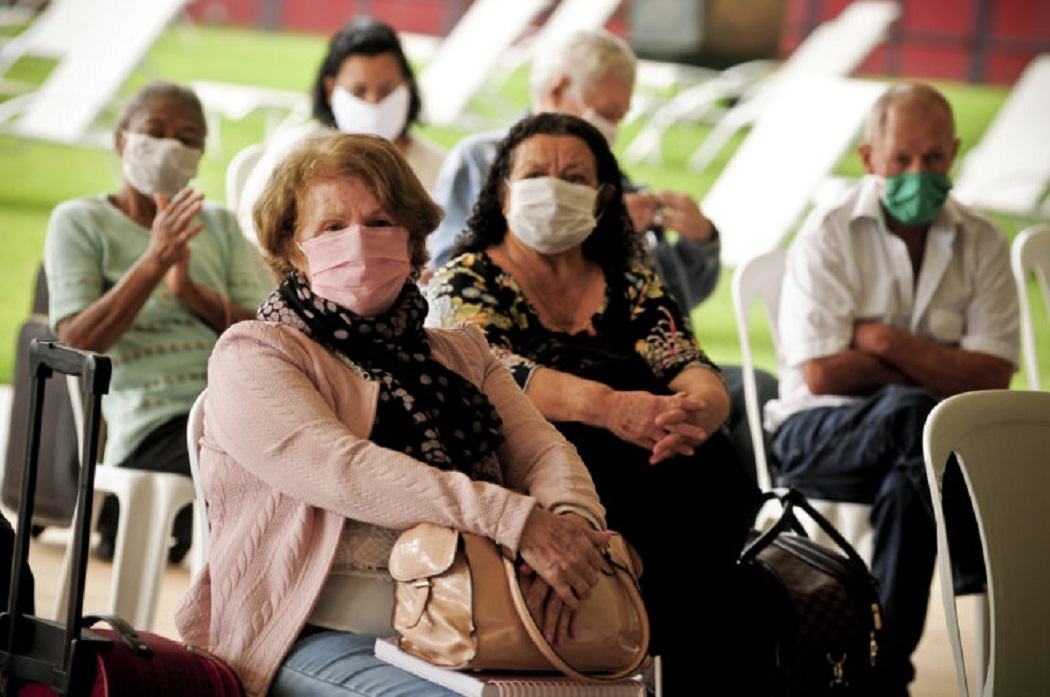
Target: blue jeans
x,y
339,663
871,452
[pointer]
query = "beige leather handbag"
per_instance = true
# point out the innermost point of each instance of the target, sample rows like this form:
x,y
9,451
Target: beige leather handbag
x,y
458,604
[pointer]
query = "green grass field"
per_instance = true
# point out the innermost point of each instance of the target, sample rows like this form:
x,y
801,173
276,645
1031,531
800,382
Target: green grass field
x,y
35,176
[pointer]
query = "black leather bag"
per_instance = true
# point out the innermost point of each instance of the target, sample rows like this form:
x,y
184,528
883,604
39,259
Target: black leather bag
x,y
818,620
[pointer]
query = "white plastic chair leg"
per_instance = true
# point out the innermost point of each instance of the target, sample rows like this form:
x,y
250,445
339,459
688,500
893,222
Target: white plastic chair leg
x,y
149,502
171,492
131,587
198,551
127,485
65,573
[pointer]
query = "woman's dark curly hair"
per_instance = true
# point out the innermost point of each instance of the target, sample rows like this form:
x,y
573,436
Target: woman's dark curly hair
x,y
368,37
613,244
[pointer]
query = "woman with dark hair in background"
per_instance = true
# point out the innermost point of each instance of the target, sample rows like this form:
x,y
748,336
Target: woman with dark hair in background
x,y
364,85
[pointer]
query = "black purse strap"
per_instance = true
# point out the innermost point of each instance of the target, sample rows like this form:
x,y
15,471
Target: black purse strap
x,y
790,500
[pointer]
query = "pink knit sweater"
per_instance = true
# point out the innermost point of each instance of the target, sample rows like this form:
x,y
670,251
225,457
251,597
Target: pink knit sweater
x,y
285,460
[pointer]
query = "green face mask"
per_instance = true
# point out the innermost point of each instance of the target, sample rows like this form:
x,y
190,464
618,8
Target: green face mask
x,y
916,198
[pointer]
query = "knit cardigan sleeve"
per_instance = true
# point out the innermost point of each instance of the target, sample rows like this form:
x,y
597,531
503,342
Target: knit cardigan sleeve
x,y
285,460
298,419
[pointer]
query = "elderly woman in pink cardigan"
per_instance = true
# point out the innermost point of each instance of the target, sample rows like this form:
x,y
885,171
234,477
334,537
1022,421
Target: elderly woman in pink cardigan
x,y
336,420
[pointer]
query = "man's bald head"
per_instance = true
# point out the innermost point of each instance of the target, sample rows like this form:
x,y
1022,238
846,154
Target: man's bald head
x,y
914,99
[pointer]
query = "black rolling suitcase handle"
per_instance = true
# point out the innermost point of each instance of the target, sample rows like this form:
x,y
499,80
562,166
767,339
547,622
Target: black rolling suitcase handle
x,y
35,649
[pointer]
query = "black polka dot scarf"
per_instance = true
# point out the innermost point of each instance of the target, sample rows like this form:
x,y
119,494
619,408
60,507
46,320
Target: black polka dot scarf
x,y
425,410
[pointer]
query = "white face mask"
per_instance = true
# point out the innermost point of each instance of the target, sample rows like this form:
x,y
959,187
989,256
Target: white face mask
x,y
549,214
606,127
158,165
385,118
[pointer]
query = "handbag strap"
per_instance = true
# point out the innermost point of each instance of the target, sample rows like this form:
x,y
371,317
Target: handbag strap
x,y
124,631
629,583
790,500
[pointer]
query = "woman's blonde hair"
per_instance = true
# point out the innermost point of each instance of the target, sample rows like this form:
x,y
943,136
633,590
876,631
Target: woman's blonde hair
x,y
328,156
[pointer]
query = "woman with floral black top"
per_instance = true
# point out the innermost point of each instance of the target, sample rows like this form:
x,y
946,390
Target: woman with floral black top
x,y
551,271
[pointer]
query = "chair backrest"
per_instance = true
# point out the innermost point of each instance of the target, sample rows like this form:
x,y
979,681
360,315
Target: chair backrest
x,y
238,171
1000,439
768,184
469,53
194,431
1030,256
757,279
1009,168
110,43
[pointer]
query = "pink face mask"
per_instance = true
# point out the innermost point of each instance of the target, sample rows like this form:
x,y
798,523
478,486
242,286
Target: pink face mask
x,y
360,268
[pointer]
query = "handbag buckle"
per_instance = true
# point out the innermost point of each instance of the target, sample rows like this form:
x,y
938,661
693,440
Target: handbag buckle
x,y
838,674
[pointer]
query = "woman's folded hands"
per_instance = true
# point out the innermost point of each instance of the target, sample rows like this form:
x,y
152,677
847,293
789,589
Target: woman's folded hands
x,y
562,562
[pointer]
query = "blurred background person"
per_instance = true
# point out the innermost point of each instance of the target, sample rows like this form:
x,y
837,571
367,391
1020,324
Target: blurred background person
x,y
364,85
150,275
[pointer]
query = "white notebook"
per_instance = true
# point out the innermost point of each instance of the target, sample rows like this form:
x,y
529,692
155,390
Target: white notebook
x,y
497,684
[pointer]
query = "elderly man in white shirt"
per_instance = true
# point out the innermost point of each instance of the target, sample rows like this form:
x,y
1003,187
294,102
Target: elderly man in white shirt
x,y
893,299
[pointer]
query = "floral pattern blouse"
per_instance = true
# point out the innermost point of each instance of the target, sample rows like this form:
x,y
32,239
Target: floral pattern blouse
x,y
636,314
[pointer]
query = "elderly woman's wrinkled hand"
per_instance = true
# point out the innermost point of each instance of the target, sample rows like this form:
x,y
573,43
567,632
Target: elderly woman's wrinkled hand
x,y
664,424
562,563
683,429
172,230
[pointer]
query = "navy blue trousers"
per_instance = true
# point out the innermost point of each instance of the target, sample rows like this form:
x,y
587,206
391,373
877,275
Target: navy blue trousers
x,y
871,452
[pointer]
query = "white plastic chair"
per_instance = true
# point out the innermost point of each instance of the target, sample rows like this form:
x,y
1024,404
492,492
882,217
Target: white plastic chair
x,y
1030,256
1000,439
238,171
759,279
194,431
148,504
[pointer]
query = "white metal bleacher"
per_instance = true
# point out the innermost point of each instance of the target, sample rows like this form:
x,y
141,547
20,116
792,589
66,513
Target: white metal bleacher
x,y
112,41
775,173
467,56
834,49
1008,170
